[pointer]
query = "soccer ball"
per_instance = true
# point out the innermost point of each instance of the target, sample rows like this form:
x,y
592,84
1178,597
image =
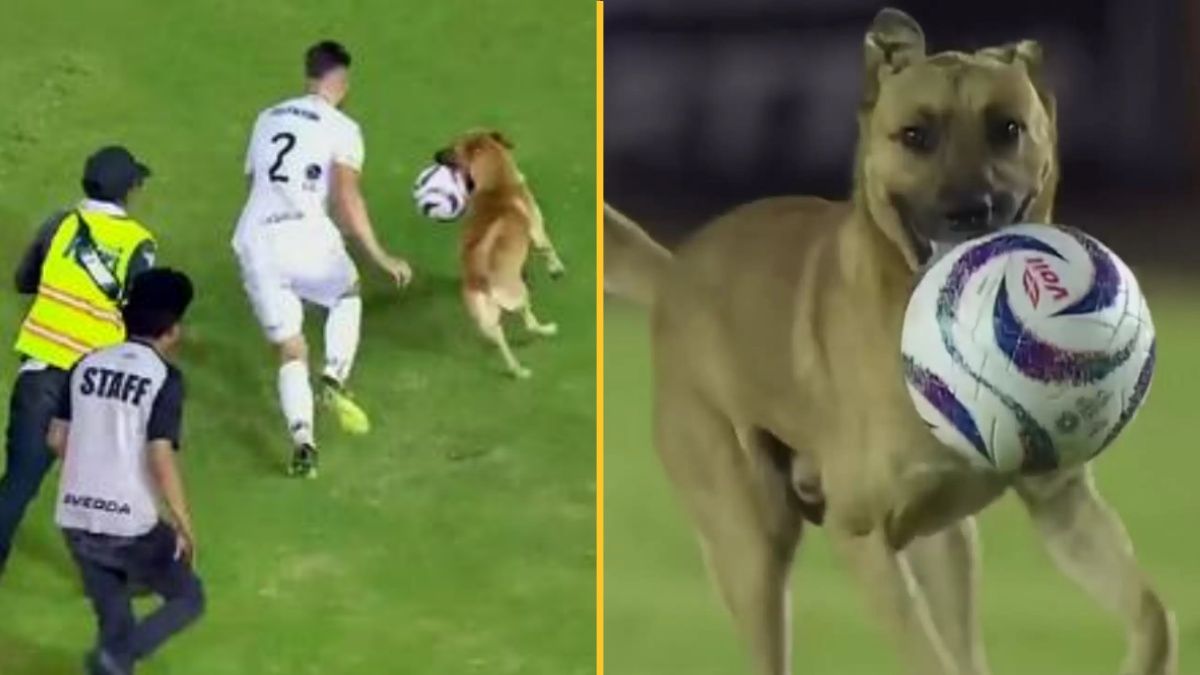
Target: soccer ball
x,y
1028,349
440,193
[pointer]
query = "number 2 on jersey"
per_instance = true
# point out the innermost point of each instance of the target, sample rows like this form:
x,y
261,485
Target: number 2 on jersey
x,y
289,142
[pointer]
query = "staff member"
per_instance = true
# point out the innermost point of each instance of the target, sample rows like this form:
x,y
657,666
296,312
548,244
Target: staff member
x,y
118,426
77,269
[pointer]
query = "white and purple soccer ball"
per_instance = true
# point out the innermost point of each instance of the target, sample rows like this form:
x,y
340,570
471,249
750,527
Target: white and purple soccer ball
x,y
1028,349
440,193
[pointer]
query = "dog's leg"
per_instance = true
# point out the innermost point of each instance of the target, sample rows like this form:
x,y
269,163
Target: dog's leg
x,y
495,332
542,244
1087,541
533,325
487,316
895,597
748,528
946,567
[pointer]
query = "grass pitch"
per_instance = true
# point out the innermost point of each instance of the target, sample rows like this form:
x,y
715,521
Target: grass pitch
x,y
662,616
458,537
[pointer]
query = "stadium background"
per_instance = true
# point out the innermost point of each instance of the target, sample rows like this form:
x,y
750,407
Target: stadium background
x,y
458,537
710,103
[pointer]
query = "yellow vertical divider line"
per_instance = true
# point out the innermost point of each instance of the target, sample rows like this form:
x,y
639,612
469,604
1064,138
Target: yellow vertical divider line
x,y
599,338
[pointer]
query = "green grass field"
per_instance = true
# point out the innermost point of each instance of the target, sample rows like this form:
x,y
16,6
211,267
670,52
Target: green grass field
x,y
662,617
458,537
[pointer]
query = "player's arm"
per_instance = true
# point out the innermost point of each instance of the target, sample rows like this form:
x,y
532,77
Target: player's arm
x,y
142,259
29,270
351,211
56,436
349,205
167,477
60,424
162,434
248,162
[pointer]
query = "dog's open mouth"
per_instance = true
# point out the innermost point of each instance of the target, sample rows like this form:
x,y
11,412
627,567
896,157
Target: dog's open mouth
x,y
952,233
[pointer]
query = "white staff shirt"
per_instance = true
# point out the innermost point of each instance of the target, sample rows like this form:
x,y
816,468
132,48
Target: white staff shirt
x,y
119,399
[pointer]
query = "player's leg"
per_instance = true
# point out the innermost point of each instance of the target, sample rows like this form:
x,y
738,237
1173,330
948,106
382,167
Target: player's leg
x,y
295,388
333,284
1089,544
34,399
341,344
105,585
486,314
280,312
183,595
342,333
746,516
296,402
946,568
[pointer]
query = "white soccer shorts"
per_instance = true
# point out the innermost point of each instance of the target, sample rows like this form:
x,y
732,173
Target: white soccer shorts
x,y
280,275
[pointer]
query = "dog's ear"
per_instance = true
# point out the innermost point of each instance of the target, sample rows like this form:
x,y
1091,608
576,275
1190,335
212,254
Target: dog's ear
x,y
1027,51
1028,54
893,41
502,139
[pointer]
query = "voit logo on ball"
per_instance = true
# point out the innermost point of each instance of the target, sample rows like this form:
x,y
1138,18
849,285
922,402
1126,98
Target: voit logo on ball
x,y
1041,278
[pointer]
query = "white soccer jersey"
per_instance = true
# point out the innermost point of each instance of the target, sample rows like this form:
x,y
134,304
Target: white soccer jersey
x,y
119,399
290,157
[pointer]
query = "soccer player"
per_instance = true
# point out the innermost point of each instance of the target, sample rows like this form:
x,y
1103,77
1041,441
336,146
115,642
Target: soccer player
x,y
303,153
117,428
77,269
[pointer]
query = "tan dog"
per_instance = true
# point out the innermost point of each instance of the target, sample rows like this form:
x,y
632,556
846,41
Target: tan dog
x,y
501,222
779,393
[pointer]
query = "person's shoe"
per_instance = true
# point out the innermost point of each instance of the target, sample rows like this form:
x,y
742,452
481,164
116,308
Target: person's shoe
x,y
304,462
352,418
100,662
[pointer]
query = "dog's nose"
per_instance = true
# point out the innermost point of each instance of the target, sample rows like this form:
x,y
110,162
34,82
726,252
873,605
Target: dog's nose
x,y
971,213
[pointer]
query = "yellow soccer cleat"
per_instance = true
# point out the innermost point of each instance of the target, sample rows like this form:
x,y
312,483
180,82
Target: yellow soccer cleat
x,y
352,418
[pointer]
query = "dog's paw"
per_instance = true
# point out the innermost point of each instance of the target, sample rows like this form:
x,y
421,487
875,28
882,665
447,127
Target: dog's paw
x,y
556,269
545,329
521,373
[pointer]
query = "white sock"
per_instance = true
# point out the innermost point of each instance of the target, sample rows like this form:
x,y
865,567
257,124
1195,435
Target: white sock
x,y
341,337
296,399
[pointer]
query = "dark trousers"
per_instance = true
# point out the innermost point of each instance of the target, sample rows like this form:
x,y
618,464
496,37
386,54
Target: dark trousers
x,y
113,566
35,398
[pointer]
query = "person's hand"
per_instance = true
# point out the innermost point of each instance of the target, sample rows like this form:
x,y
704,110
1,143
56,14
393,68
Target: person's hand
x,y
185,547
396,268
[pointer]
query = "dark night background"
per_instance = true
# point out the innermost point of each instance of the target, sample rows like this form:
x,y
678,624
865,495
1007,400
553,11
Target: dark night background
x,y
710,103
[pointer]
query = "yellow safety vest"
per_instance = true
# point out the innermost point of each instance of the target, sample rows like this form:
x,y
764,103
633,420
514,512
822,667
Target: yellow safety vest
x,y
78,304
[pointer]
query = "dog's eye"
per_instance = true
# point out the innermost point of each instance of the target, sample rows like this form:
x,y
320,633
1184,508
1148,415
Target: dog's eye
x,y
1007,132
917,139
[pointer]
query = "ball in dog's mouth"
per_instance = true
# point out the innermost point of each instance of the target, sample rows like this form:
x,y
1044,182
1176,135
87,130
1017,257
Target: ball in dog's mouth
x,y
951,232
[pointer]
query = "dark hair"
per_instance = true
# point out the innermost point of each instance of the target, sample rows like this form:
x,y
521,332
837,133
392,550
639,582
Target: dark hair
x,y
323,57
157,300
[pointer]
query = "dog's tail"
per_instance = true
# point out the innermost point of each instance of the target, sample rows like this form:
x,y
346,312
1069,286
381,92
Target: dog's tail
x,y
633,262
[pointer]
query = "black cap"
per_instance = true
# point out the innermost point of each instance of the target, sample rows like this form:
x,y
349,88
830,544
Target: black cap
x,y
110,173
